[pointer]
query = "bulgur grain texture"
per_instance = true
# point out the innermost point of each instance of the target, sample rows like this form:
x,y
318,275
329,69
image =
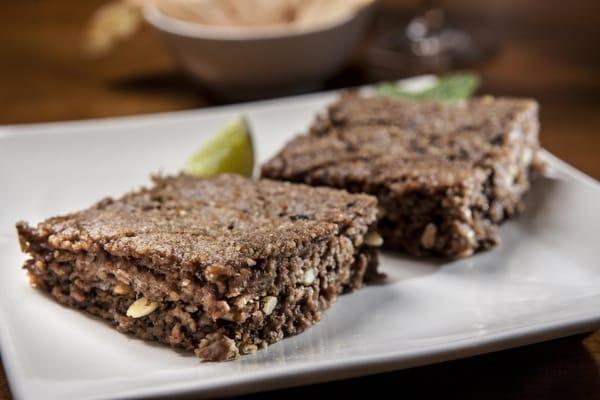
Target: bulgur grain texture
x,y
445,174
220,266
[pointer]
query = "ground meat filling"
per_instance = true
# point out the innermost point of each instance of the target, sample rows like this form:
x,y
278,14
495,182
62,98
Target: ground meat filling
x,y
222,309
445,174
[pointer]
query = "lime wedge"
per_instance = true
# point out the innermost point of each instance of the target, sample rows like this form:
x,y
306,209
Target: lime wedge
x,y
230,150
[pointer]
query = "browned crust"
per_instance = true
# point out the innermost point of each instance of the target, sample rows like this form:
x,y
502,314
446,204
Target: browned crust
x,y
211,253
453,170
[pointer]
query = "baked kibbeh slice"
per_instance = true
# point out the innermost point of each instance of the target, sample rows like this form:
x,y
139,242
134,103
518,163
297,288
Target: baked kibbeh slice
x,y
221,266
445,174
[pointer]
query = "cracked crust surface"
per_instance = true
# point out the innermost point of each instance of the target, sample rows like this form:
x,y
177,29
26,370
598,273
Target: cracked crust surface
x,y
188,223
227,265
445,174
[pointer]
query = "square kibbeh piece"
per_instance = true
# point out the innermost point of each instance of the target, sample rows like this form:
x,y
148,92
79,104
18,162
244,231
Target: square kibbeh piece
x,y
221,266
445,174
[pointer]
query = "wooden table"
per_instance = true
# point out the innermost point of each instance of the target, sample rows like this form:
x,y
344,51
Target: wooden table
x,y
548,53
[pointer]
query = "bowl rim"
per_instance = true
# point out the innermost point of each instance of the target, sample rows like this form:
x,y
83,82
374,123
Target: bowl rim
x,y
161,21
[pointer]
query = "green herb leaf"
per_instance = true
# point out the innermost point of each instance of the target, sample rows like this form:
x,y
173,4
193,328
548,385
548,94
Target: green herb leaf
x,y
450,88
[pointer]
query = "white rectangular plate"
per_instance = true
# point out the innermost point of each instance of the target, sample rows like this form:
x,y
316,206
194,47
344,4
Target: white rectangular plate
x,y
542,282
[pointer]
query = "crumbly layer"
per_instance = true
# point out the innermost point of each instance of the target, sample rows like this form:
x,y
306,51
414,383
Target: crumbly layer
x,y
287,298
232,296
445,174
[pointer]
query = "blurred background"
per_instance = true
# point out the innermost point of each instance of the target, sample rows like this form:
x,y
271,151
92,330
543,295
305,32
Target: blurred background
x,y
546,49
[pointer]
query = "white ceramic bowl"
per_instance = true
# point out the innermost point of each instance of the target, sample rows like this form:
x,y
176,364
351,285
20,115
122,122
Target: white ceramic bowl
x,y
249,62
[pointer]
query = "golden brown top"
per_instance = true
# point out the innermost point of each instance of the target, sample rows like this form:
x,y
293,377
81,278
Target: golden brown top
x,y
370,143
186,222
